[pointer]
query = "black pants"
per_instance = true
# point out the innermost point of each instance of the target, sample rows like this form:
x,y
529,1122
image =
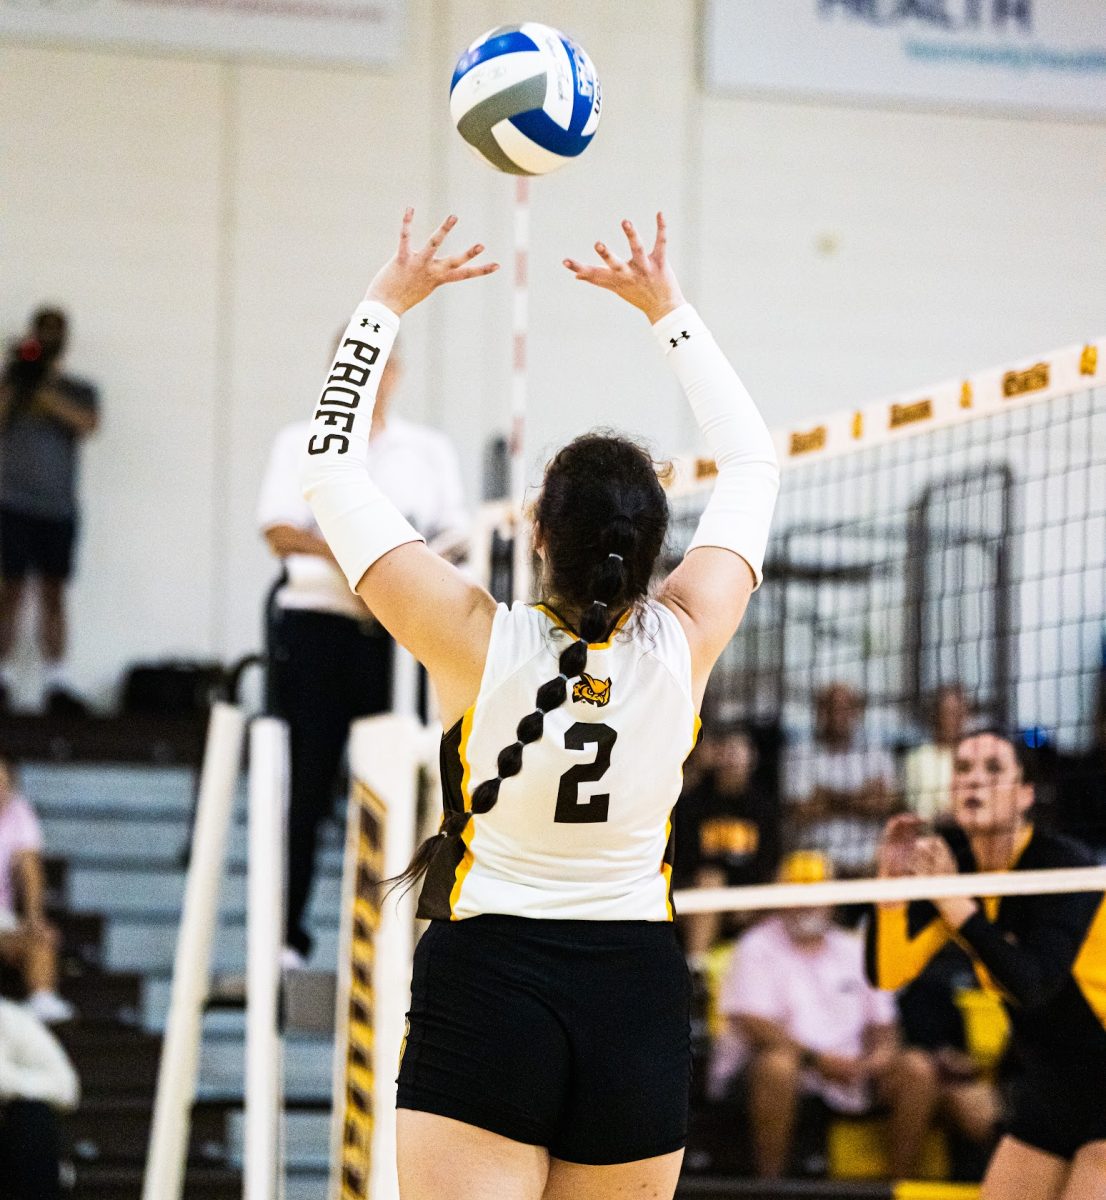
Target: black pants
x,y
326,670
30,1150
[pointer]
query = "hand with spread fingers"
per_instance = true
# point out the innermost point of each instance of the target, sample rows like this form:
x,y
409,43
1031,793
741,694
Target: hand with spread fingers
x,y
411,275
645,280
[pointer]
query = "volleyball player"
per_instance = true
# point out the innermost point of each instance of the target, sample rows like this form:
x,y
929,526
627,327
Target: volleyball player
x,y
1044,954
548,1048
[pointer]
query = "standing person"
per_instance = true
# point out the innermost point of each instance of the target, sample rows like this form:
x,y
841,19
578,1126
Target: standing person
x,y
548,1053
1044,954
37,1082
330,661
927,769
839,789
27,939
44,414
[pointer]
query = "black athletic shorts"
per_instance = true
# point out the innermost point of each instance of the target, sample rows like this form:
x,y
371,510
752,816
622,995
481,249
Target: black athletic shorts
x,y
1058,1107
573,1035
35,546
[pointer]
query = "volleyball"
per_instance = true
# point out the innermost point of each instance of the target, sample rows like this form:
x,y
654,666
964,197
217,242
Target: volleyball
x,y
525,98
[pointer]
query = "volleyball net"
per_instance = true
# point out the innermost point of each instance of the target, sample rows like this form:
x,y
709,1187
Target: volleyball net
x,y
937,562
944,545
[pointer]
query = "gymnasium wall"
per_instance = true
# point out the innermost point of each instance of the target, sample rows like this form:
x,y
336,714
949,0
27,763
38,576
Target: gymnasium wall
x,y
209,225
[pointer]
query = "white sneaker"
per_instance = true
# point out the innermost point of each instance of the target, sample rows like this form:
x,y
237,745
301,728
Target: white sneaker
x,y
292,960
50,1008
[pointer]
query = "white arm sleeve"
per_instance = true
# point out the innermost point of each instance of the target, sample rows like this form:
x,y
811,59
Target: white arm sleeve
x,y
359,522
739,511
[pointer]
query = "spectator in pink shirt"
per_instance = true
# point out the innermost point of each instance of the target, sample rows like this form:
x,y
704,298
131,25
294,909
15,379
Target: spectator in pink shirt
x,y
797,995
27,940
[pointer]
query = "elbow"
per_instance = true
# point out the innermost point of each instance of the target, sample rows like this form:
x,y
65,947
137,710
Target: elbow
x,y
320,468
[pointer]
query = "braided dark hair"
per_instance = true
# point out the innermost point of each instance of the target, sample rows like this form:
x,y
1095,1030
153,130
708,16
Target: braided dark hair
x,y
602,516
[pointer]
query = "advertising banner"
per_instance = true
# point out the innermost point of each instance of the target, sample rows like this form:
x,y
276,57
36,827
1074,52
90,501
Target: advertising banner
x,y
368,32
1007,55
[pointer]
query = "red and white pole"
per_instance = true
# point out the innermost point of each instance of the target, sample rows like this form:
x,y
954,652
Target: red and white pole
x,y
517,444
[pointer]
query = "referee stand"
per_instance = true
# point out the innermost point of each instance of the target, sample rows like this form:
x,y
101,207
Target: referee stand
x,y
277,1002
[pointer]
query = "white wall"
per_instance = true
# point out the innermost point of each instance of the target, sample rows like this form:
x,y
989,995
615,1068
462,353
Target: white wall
x,y
209,226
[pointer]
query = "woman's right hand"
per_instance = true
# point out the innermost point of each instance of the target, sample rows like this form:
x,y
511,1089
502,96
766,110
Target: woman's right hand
x,y
411,275
646,281
896,849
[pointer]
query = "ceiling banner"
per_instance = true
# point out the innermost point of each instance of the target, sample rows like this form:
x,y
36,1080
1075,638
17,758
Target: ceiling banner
x,y
369,32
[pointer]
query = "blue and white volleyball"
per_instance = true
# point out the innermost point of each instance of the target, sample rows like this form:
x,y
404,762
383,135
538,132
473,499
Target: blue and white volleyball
x,y
525,98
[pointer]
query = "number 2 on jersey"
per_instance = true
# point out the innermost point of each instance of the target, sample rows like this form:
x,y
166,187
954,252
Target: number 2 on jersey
x,y
570,809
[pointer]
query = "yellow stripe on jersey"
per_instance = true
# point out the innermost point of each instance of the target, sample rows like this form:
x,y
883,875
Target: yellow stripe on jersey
x,y
544,608
1089,968
666,871
467,859
666,866
990,911
900,958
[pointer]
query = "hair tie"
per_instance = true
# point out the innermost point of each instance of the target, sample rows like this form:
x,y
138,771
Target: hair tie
x,y
454,824
613,555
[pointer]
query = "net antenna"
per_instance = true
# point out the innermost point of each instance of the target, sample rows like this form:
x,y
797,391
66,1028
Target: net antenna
x,y
520,321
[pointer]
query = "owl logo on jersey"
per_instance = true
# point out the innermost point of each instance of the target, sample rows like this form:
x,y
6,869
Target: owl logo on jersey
x,y
591,690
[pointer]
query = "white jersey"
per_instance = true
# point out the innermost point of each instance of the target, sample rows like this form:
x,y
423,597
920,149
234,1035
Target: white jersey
x,y
584,831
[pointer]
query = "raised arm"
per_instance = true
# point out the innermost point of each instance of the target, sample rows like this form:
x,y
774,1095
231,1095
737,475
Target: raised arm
x,y
1033,968
901,939
710,589
427,605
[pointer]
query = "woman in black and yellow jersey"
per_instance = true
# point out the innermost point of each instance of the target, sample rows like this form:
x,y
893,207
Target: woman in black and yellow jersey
x,y
547,1056
1045,955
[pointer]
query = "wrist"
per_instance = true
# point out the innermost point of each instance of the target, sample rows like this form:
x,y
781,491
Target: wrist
x,y
657,312
382,297
956,911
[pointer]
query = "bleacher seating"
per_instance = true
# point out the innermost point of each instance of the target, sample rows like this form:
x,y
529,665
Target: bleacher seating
x,y
117,838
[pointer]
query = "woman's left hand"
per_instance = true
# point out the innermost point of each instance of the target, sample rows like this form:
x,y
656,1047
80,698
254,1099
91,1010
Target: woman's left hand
x,y
646,280
411,275
932,856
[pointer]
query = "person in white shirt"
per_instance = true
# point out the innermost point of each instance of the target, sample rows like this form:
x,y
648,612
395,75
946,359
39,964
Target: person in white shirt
x,y
839,789
27,939
37,1081
329,661
927,769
